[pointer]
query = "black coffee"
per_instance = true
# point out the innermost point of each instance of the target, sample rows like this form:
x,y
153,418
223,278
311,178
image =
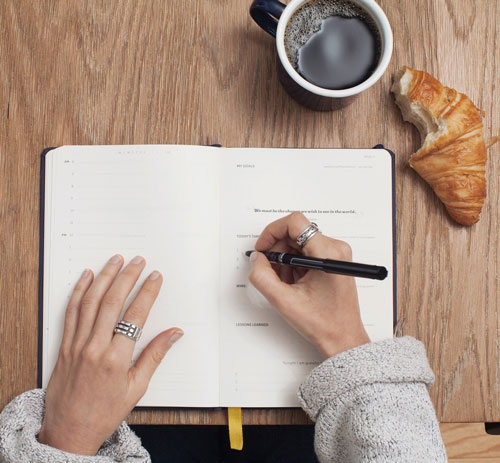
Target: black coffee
x,y
333,44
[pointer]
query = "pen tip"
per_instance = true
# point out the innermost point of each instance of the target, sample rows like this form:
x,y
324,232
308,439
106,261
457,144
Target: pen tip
x,y
248,253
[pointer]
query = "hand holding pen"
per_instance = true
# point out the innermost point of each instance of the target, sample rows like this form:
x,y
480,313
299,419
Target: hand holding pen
x,y
321,306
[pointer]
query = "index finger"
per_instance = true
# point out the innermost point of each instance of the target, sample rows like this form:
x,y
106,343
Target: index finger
x,y
287,229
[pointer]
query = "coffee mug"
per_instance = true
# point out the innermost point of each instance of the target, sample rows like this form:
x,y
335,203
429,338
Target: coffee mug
x,y
273,16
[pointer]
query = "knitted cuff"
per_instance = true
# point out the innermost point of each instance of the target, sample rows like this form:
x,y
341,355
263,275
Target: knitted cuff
x,y
395,360
21,420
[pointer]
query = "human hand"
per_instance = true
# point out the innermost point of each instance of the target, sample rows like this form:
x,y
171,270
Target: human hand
x,y
323,307
93,387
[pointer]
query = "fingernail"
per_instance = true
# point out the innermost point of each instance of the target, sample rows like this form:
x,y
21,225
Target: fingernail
x,y
253,256
175,337
85,273
115,259
137,260
154,275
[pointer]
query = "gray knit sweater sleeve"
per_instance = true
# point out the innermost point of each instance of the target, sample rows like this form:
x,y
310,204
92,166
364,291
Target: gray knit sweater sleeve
x,y
371,404
21,420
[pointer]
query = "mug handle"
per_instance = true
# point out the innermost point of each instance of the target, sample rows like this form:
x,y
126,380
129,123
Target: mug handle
x,y
266,14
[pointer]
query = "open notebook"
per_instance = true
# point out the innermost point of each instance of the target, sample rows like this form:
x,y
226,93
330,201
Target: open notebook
x,y
192,211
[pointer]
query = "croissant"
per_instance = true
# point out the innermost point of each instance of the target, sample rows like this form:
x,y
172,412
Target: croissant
x,y
453,155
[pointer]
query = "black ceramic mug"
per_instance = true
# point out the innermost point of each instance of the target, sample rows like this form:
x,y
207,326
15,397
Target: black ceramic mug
x,y
273,16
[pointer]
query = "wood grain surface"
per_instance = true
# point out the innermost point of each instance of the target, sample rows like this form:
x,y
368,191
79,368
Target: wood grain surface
x,y
469,440
201,72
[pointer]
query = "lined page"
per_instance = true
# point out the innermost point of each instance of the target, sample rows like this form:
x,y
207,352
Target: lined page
x,y
348,193
160,202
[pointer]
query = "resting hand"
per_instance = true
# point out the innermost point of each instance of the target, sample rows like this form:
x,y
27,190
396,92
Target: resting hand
x,y
322,307
93,387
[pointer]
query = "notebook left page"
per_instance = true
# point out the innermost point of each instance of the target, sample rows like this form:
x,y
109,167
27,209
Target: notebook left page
x,y
160,202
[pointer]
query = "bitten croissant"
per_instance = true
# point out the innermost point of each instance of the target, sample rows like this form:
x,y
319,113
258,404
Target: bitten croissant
x,y
453,155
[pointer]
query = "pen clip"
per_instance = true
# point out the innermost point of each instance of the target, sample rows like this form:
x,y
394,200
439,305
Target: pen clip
x,y
299,262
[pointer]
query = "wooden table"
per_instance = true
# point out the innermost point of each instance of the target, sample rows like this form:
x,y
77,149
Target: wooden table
x,y
201,72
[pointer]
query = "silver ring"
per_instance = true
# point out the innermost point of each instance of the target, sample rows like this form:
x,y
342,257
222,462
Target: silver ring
x,y
128,329
307,234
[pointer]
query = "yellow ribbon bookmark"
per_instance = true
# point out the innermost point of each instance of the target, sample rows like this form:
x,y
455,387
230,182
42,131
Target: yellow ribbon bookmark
x,y
235,428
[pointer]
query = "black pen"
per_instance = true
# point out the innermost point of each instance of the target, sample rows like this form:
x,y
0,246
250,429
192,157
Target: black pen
x,y
339,267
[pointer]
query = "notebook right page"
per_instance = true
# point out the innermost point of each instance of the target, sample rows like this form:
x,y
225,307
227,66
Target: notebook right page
x,y
348,193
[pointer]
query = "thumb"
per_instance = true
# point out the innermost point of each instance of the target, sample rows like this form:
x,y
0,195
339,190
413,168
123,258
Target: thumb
x,y
266,280
152,355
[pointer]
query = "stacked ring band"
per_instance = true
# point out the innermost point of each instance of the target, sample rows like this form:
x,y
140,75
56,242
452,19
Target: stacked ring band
x,y
128,329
